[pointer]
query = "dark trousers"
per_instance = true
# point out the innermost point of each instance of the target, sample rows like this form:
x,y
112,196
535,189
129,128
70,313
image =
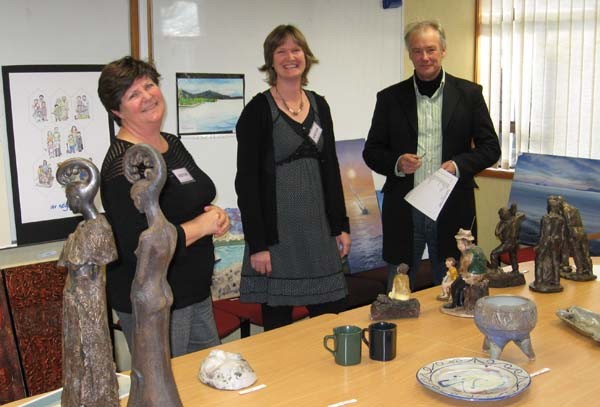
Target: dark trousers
x,y
425,233
278,316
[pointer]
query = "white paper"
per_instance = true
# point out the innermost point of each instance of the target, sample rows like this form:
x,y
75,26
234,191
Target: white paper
x,y
430,195
343,403
252,389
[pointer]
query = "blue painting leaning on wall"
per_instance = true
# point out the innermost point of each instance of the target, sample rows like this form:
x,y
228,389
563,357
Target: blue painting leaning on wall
x,y
361,207
576,179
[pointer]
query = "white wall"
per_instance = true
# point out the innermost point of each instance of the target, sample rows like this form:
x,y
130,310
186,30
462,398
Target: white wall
x,y
54,32
358,43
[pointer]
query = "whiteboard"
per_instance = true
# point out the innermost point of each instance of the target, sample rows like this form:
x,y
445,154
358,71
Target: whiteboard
x,y
45,32
358,43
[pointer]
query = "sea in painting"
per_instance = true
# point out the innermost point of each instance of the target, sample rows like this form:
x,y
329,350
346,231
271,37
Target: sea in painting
x,y
361,206
219,116
575,179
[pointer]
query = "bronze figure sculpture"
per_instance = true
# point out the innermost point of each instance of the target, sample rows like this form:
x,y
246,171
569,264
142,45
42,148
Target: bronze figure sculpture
x,y
89,374
152,381
548,252
507,231
577,246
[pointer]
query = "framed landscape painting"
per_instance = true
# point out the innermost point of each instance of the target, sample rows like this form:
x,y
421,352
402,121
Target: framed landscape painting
x,y
208,103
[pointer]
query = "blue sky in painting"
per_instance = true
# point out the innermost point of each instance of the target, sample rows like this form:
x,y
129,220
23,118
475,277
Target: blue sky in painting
x,y
225,86
563,172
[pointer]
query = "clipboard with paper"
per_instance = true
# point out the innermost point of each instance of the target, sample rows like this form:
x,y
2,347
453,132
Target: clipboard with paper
x,y
430,195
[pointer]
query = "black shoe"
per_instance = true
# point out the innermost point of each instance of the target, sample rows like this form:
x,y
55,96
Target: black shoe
x,y
449,305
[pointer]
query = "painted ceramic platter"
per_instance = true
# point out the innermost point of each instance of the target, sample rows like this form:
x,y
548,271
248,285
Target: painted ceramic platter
x,y
474,379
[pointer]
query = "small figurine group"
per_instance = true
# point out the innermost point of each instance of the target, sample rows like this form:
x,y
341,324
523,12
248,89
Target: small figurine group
x,y
462,289
468,284
561,236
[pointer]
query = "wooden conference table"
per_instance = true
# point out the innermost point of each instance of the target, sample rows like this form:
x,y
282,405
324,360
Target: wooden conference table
x,y
298,371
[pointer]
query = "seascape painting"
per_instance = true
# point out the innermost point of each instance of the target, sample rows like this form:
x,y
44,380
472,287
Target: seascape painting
x,y
576,179
208,103
362,207
229,253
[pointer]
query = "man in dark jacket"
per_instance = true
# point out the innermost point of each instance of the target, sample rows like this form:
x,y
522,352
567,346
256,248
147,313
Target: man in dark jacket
x,y
432,120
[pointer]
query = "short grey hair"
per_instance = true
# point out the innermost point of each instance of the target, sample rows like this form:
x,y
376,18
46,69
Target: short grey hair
x,y
421,26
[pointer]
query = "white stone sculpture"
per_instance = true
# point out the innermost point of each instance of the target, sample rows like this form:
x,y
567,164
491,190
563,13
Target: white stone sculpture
x,y
226,371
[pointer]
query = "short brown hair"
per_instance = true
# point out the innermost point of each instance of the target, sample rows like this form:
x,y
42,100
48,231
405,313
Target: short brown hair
x,y
275,39
117,77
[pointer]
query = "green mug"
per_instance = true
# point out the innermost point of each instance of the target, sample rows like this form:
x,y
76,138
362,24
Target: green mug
x,y
346,345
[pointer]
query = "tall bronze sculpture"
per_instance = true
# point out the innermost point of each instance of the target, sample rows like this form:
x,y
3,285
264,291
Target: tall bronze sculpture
x,y
548,252
152,382
89,374
577,245
507,231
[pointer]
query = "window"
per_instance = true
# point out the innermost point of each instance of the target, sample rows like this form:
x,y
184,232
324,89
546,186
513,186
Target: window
x,y
539,64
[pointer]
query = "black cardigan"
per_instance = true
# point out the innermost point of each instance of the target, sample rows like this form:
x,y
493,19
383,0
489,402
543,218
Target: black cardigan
x,y
255,178
191,269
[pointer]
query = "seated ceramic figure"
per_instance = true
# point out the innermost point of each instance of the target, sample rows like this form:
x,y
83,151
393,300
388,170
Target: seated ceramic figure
x,y
470,285
401,286
451,275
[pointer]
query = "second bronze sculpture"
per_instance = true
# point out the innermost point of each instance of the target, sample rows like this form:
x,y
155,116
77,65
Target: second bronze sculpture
x,y
152,381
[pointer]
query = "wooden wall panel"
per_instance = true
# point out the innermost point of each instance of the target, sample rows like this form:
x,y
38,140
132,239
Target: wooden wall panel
x,y
35,297
12,386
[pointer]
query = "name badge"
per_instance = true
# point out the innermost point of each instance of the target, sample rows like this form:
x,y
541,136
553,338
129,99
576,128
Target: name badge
x,y
183,175
315,132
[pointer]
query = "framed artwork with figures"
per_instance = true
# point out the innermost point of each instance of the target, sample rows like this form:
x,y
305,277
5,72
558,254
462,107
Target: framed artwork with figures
x,y
53,113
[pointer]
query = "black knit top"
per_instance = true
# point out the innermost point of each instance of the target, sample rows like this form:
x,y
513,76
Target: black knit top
x,y
190,272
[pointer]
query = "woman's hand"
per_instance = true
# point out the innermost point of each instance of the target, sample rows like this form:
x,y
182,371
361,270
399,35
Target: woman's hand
x,y
261,262
213,221
344,241
222,222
